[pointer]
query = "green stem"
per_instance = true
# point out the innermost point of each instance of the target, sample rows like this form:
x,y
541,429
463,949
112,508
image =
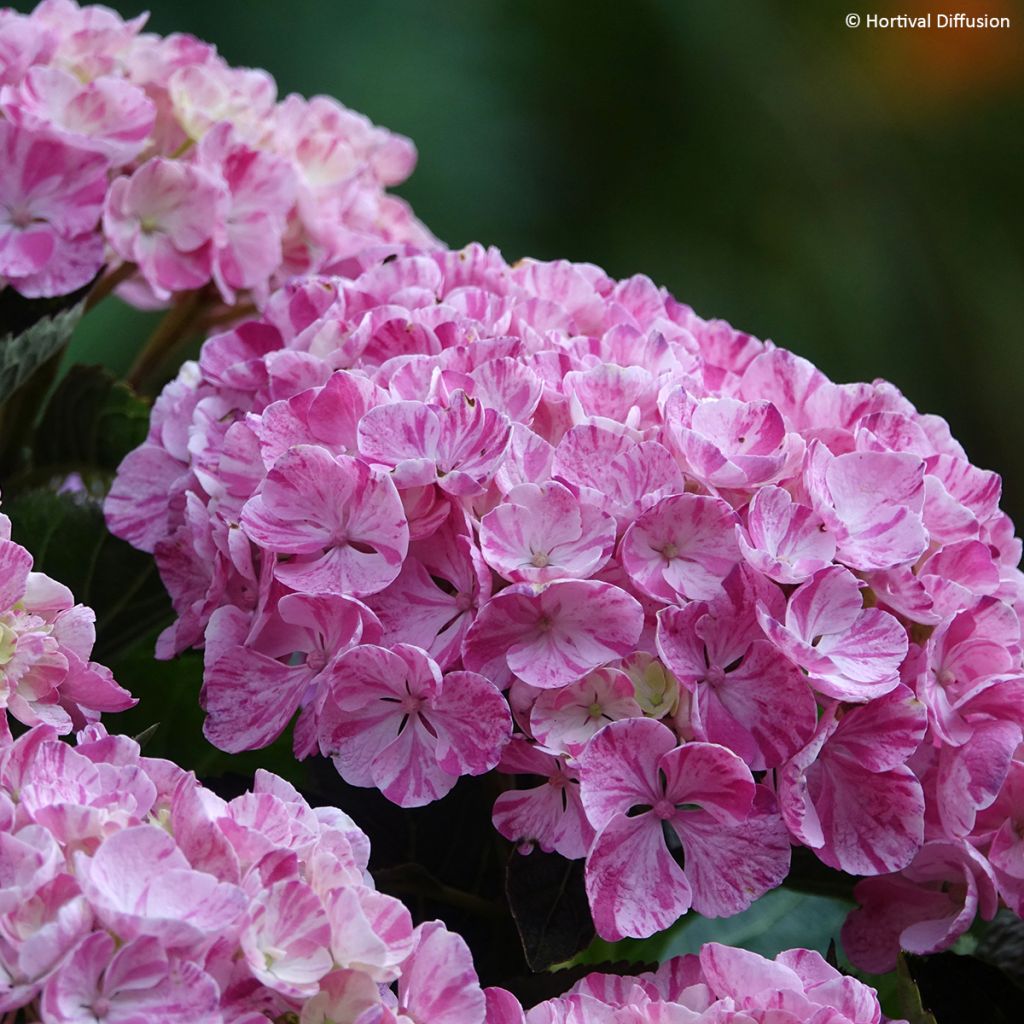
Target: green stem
x,y
106,284
177,326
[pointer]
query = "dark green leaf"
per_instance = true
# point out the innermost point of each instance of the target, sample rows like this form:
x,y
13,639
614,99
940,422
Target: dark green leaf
x,y
548,900
949,989
23,352
69,541
91,422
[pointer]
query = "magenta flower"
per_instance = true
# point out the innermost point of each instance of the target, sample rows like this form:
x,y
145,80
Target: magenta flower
x,y
542,533
872,502
635,778
849,794
924,909
250,696
51,196
164,218
783,539
107,115
551,814
747,695
391,720
614,472
681,548
848,651
552,634
564,720
732,444
443,582
456,446
341,519
137,982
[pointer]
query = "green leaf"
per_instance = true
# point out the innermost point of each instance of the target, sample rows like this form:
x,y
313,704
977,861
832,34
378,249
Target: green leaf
x,y
22,353
90,423
69,541
781,919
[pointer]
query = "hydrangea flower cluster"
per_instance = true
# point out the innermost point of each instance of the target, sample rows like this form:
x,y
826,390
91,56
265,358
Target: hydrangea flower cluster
x,y
124,148
721,985
455,515
46,640
128,892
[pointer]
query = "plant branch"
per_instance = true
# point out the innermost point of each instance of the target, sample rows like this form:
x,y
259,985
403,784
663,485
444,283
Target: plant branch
x,y
106,284
177,326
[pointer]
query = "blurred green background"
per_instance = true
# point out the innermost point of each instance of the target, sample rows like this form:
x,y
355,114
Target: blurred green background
x,y
853,194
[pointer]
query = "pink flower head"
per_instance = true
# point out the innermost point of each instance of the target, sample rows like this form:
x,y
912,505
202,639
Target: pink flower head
x,y
51,196
341,520
391,720
634,778
552,634
681,548
164,218
542,533
848,651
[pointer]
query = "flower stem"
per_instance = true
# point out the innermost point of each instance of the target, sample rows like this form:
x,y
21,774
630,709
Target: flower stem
x,y
177,326
106,284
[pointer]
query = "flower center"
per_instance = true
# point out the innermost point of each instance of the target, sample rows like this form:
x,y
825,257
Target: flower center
x,y
664,809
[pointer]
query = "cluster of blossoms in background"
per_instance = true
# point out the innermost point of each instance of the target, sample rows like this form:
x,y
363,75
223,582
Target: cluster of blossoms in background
x,y
131,893
46,640
720,986
125,148
456,514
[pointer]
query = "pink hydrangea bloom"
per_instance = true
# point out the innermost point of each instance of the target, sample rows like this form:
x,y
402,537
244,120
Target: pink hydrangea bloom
x,y
45,644
51,196
201,174
621,516
634,780
391,720
165,904
720,984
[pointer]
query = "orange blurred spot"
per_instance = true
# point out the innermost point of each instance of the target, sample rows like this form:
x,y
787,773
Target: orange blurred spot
x,y
936,65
